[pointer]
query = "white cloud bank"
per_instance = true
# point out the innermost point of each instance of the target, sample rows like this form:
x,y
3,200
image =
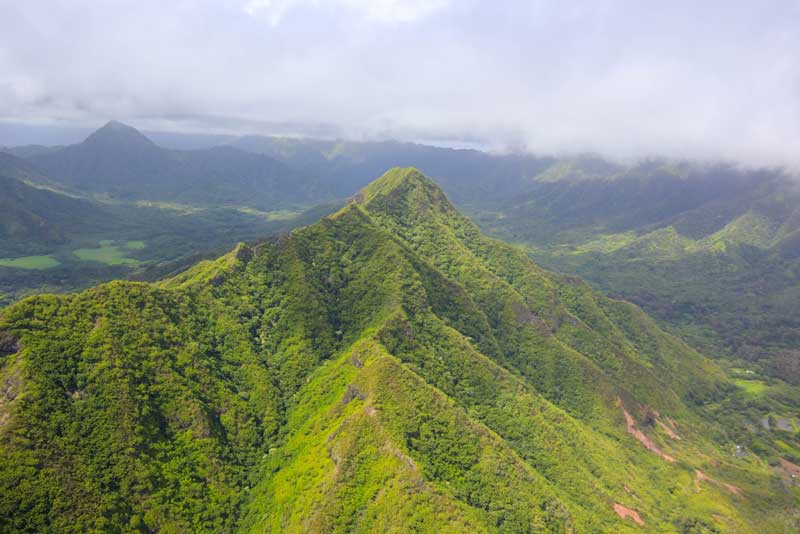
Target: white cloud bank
x,y
391,11
703,80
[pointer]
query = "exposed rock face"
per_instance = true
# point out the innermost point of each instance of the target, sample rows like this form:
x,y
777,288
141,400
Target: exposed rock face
x,y
244,253
352,393
8,344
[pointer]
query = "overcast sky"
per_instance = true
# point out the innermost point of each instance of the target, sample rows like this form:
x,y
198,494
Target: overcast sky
x,y
698,79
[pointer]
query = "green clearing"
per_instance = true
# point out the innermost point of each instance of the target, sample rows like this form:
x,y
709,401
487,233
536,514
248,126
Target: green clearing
x,y
30,262
110,255
275,215
135,245
753,387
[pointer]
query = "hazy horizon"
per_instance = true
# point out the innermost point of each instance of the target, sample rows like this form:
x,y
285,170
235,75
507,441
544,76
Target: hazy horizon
x,y
718,81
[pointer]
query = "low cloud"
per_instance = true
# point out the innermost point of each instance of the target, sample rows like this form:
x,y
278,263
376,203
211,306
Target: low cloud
x,y
385,11
707,80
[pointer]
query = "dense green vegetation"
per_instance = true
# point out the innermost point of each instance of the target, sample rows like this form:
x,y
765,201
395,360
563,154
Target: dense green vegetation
x,y
388,369
709,251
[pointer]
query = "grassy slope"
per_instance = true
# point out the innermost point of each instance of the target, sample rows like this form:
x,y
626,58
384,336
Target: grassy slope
x,y
386,368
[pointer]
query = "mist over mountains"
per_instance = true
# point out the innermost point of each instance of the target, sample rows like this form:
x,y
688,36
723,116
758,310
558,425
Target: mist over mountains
x,y
716,81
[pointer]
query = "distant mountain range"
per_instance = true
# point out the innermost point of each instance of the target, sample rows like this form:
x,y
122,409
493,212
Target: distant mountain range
x,y
120,162
710,250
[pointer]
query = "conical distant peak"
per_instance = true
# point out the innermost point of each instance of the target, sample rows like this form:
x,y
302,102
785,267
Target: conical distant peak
x,y
117,133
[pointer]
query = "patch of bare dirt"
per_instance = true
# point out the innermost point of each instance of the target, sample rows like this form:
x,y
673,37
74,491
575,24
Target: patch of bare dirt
x,y
699,477
671,422
628,513
641,437
790,468
667,430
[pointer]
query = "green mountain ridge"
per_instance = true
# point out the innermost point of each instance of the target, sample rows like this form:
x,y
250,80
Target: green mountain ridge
x,y
385,369
711,251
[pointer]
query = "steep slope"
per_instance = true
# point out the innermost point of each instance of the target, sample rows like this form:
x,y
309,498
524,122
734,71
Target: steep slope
x,y
709,250
30,213
119,161
386,369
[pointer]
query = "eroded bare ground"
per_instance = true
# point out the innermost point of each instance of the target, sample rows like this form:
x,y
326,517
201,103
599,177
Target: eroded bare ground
x,y
628,513
667,430
641,437
699,477
790,468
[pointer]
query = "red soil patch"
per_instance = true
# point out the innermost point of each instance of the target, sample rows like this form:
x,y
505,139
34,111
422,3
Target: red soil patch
x,y
625,512
699,476
643,439
671,433
671,422
734,489
790,468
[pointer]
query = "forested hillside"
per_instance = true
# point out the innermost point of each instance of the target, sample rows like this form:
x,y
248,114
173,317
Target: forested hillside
x,y
711,251
387,369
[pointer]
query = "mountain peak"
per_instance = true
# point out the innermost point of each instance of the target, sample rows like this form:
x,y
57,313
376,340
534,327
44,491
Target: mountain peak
x,y
405,186
115,133
405,196
394,178
115,124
